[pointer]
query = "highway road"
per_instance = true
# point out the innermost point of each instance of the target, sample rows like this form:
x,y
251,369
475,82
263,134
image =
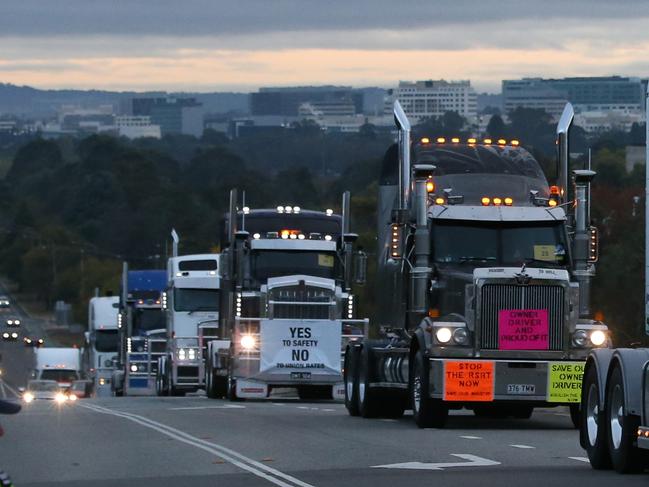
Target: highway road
x,y
200,442
150,441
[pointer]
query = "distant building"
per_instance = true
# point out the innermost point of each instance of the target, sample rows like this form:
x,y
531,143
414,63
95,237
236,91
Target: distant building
x,y
287,101
173,115
588,94
334,108
635,154
433,98
135,126
595,122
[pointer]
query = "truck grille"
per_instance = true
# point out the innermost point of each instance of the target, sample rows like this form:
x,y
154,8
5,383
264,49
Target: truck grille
x,y
301,304
497,297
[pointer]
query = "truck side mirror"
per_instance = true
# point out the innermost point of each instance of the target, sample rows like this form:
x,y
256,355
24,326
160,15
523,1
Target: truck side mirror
x,y
360,267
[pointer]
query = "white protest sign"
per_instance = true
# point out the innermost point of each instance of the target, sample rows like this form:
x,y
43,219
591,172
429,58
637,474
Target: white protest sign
x,y
300,346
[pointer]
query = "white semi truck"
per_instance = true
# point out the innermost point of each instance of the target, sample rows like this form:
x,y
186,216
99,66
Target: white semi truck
x,y
614,427
60,364
192,303
102,342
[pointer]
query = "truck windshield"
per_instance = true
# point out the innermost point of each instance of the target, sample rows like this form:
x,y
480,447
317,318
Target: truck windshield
x,y
276,263
148,319
106,340
196,299
60,375
491,243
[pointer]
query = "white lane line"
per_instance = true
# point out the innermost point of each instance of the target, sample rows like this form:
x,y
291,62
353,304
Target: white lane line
x,y
467,437
11,389
330,410
235,458
523,447
386,420
4,393
225,406
302,407
580,459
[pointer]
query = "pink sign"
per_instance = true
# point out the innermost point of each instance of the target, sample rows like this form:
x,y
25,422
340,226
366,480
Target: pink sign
x,y
523,329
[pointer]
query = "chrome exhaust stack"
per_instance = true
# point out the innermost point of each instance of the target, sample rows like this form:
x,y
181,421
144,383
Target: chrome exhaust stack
x,y
563,153
403,124
176,239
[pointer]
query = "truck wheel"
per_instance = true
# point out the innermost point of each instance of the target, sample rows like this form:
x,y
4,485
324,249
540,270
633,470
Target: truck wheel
x,y
622,427
231,386
368,399
428,412
593,423
210,389
350,377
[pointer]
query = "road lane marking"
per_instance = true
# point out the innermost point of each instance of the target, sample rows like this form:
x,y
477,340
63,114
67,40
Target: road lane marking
x,y
472,461
4,393
11,389
467,437
580,459
248,464
225,406
524,447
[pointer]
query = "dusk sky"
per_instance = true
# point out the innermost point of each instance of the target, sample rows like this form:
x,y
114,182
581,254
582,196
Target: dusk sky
x,y
215,45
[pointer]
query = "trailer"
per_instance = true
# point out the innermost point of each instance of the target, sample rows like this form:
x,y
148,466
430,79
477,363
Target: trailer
x,y
289,311
55,363
483,282
614,423
191,302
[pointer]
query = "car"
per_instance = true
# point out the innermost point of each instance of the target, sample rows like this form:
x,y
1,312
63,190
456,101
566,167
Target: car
x,y
9,336
4,302
13,321
80,388
33,342
48,390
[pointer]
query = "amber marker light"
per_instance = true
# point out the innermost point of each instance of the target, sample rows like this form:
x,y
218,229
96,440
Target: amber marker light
x,y
498,201
515,143
487,141
425,140
455,140
509,201
552,203
485,201
502,142
441,140
471,141
430,186
440,201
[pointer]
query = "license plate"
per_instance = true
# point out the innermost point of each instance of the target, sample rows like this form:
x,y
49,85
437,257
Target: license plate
x,y
300,375
521,389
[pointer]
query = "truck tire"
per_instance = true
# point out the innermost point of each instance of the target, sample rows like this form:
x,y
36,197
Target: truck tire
x,y
350,378
210,383
308,393
622,427
231,388
575,415
368,398
593,423
428,412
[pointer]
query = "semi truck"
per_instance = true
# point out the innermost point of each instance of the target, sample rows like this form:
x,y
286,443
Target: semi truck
x,y
102,343
483,282
288,310
191,301
614,422
60,364
142,331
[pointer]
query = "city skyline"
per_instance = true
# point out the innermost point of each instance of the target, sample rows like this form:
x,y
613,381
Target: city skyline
x,y
220,46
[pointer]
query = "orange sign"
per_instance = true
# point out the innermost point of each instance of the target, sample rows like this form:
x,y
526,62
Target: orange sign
x,y
469,380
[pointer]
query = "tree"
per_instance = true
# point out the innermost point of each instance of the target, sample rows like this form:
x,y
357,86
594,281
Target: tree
x,y
496,128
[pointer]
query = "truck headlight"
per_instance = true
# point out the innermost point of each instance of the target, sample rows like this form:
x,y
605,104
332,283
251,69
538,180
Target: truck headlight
x,y
443,335
133,368
61,398
182,354
598,337
247,342
28,397
461,336
191,354
580,338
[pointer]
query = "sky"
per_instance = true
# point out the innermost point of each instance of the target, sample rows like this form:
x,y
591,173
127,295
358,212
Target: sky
x,y
240,45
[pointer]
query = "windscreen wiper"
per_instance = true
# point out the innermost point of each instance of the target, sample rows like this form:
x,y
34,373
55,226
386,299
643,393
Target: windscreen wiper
x,y
532,260
472,258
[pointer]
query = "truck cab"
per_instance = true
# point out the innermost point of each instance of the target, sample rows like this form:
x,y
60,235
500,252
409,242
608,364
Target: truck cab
x,y
291,312
102,342
142,329
192,302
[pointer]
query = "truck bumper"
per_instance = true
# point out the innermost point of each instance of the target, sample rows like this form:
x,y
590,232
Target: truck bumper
x,y
188,375
480,380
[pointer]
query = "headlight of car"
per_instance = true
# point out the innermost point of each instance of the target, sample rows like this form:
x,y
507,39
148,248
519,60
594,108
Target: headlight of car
x,y
28,397
61,398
